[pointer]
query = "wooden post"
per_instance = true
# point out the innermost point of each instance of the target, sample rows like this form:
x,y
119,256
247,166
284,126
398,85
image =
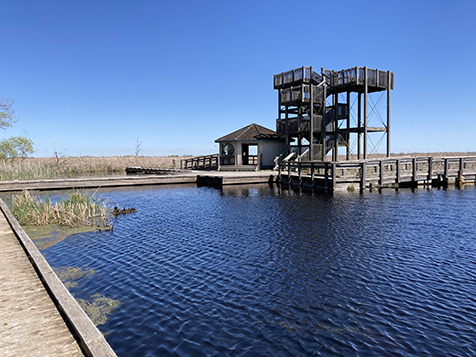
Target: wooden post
x,y
460,172
312,170
366,93
333,176
363,176
311,117
347,152
335,126
388,112
430,169
414,170
359,121
326,176
445,172
381,173
323,109
286,119
398,172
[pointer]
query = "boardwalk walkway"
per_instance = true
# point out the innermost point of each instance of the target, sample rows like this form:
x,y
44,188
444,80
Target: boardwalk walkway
x,y
30,324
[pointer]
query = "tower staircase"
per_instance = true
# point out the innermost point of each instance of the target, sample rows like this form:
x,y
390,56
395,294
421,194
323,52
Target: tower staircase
x,y
311,125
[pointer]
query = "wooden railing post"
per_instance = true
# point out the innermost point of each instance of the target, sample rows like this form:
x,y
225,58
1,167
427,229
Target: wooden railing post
x,y
363,176
312,171
334,176
398,171
326,176
430,168
445,172
381,173
461,172
414,170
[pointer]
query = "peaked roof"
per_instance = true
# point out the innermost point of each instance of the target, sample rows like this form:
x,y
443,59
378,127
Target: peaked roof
x,y
251,132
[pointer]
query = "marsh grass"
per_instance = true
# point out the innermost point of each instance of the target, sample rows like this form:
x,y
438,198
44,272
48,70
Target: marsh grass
x,y
75,210
56,167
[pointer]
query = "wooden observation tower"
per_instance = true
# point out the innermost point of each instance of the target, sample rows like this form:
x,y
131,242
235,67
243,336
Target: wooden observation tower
x,y
314,110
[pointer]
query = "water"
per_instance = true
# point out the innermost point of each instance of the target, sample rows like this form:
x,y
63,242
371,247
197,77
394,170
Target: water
x,y
259,271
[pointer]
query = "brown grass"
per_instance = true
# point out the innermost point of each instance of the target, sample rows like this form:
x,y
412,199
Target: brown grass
x,y
53,167
76,209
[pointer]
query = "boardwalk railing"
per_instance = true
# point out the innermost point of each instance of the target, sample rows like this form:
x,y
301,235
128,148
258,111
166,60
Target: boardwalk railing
x,y
378,173
206,162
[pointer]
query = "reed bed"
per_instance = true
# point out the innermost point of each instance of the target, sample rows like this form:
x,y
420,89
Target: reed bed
x,y
77,209
57,167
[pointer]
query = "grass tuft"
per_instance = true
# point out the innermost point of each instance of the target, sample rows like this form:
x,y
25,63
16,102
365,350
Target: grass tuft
x,y
77,209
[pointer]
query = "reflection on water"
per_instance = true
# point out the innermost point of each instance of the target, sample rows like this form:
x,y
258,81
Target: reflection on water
x,y
255,270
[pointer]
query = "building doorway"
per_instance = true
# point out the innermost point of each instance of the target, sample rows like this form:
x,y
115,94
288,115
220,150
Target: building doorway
x,y
249,154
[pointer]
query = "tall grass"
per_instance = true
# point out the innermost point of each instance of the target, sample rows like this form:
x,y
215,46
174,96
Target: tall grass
x,y
56,167
77,209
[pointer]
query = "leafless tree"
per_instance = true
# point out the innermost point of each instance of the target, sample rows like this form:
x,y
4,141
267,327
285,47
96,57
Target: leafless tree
x,y
137,145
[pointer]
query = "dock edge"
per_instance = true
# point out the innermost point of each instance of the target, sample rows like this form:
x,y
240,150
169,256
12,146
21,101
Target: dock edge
x,y
91,340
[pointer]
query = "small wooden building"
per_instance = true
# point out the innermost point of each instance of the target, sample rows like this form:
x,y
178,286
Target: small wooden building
x,y
253,146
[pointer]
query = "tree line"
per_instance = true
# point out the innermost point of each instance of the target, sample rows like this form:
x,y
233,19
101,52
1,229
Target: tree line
x,y
15,146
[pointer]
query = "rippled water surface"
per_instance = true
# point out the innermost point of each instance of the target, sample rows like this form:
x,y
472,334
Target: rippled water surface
x,y
259,271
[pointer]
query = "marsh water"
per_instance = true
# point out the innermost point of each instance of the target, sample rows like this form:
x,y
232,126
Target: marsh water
x,y
256,270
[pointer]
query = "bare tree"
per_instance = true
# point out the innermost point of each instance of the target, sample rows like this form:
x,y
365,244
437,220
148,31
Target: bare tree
x,y
60,159
137,145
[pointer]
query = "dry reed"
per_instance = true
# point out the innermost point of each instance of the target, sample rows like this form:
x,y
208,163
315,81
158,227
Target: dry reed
x,y
77,209
56,167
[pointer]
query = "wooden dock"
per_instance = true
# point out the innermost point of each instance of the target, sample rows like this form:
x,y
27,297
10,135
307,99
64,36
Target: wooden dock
x,y
38,316
312,175
30,324
211,178
381,173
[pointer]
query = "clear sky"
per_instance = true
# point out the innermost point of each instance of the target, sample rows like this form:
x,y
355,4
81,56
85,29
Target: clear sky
x,y
89,77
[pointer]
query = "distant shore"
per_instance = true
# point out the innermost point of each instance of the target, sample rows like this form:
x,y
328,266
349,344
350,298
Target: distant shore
x,y
69,166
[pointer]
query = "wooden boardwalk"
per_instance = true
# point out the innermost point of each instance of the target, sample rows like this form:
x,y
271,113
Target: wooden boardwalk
x,y
30,324
38,316
212,178
378,173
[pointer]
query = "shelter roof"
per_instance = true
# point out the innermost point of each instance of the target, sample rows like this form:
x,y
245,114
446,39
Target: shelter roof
x,y
251,132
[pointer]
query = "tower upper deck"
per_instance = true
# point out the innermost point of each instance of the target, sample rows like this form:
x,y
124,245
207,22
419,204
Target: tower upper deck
x,y
353,79
295,77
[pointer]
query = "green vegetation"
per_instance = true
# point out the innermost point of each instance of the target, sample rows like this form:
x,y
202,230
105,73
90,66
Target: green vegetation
x,y
47,236
77,209
97,307
7,113
68,275
15,147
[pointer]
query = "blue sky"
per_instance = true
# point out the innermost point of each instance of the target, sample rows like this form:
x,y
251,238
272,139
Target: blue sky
x,y
90,77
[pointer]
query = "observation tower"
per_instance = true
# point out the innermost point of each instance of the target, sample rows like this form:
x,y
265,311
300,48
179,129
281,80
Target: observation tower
x,y
320,112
